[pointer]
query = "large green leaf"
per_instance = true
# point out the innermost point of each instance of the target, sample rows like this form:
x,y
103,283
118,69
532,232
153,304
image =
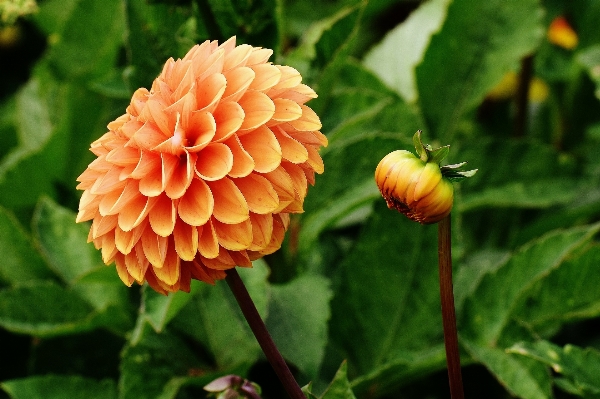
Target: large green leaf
x,y
298,316
339,388
21,261
489,309
59,387
385,298
579,366
395,58
479,42
590,60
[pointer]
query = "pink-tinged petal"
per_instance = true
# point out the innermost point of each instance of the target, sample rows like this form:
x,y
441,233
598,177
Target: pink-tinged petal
x,y
259,56
170,271
149,136
263,147
109,249
214,162
285,111
103,224
109,182
155,247
206,66
208,243
126,240
114,202
197,204
149,164
199,130
209,92
234,237
154,112
262,229
309,121
267,76
240,258
243,164
135,212
298,178
229,116
230,205
238,80
299,94
237,57
291,149
121,266
199,273
258,109
186,240
137,265
182,177
221,262
162,216
283,185
259,193
123,156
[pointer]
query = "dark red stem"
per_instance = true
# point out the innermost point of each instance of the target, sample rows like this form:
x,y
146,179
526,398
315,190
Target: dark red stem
x,y
448,312
262,335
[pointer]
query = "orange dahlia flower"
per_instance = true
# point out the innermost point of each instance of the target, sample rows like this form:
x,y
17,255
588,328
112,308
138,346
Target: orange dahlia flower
x,y
201,172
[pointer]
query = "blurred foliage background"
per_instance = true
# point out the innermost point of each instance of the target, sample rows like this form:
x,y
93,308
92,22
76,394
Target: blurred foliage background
x,y
353,280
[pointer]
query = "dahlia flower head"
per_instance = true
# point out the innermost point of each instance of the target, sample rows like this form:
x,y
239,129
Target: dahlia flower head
x,y
201,172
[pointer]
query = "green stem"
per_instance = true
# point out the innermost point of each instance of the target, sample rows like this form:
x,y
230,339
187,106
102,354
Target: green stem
x,y
262,335
448,311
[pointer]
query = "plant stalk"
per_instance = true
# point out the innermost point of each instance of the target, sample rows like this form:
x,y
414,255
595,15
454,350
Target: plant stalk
x,y
522,96
262,335
448,311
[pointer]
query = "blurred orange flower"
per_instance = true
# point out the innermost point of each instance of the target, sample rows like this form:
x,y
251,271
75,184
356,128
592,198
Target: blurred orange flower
x,y
202,171
562,34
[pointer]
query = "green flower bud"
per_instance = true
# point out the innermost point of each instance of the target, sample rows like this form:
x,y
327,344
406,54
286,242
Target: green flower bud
x,y
418,187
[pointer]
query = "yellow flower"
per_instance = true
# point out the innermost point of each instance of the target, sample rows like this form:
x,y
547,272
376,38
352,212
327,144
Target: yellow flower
x,y
562,34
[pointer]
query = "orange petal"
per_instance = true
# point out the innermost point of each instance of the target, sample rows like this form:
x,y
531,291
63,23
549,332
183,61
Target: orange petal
x,y
309,120
186,240
155,247
109,250
89,200
114,202
148,136
122,270
262,229
207,65
153,282
135,212
234,237
149,163
214,162
285,110
313,138
238,80
109,182
230,206
279,228
283,185
314,159
243,164
200,130
103,224
289,78
237,57
197,204
126,240
240,258
263,147
169,272
222,262
298,178
267,76
123,156
259,56
258,108
182,176
185,276
199,272
229,116
259,193
291,149
135,268
299,94
154,112
208,244
162,216
209,92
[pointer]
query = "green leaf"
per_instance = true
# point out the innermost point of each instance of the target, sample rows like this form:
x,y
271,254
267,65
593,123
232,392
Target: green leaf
x,y
590,60
63,242
395,58
159,309
87,44
385,298
21,261
298,316
493,303
339,388
490,37
59,387
581,367
525,380
44,309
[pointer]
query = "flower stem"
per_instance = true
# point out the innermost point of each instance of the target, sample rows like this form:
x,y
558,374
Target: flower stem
x,y
522,96
448,312
262,335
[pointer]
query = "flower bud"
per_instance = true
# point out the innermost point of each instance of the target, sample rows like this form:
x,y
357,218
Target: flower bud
x,y
418,187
